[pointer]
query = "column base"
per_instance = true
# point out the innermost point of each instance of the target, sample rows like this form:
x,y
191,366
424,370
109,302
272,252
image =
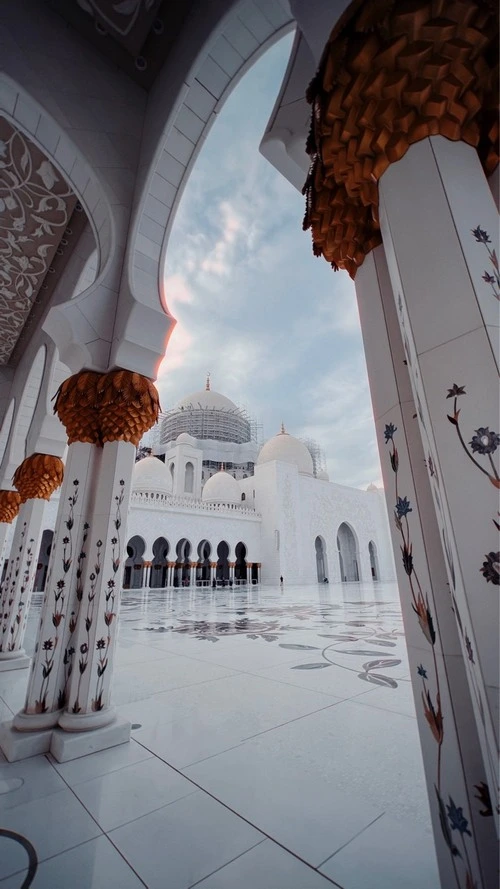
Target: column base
x,y
33,722
14,660
21,745
68,745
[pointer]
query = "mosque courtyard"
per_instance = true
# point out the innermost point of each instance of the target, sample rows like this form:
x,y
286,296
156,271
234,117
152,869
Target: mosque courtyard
x,y
274,745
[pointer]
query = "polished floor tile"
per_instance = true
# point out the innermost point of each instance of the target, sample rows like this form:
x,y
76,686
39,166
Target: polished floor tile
x,y
93,865
26,780
132,684
387,855
299,809
266,866
180,844
131,792
259,701
52,825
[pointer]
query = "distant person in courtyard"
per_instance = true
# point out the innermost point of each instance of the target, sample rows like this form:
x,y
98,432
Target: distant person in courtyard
x,y
325,580
281,580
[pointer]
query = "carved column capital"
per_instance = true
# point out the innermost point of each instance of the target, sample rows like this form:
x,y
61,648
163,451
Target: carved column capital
x,y
391,75
115,406
76,406
38,476
128,406
10,501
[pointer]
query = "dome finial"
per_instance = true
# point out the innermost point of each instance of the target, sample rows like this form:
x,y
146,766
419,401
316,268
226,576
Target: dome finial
x,y
207,384
283,430
222,468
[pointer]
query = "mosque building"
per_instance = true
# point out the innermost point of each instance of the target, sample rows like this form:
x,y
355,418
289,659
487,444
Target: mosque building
x,y
209,506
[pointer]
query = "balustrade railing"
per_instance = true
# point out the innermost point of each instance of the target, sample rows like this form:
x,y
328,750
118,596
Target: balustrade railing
x,y
159,500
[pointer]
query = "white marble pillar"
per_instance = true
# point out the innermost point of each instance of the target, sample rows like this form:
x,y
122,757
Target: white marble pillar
x,y
170,574
18,584
454,768
55,655
439,226
88,705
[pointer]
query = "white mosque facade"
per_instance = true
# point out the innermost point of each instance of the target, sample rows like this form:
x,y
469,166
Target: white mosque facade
x,y
208,510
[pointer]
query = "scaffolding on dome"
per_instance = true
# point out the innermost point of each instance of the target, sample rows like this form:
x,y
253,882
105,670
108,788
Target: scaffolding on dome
x,y
236,426
317,453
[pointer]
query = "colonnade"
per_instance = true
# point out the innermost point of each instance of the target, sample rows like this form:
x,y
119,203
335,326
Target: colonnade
x,y
105,416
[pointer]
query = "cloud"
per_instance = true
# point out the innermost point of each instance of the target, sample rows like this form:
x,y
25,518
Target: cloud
x,y
276,327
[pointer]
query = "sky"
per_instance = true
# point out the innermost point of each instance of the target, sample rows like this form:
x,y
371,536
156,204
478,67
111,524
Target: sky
x,y
276,328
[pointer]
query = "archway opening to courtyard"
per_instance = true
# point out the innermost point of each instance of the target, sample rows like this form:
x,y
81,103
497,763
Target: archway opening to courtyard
x,y
222,570
240,565
159,565
203,564
182,570
43,561
321,559
372,550
133,577
348,554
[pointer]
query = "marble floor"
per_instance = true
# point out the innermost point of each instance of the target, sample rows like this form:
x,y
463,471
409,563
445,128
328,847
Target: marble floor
x,y
274,746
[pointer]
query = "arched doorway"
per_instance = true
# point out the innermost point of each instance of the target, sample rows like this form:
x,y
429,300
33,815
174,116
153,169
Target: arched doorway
x,y
134,564
372,549
203,564
222,571
182,570
43,561
348,554
240,565
321,560
159,565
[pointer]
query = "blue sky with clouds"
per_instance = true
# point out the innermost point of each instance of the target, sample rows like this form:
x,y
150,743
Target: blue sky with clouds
x,y
275,326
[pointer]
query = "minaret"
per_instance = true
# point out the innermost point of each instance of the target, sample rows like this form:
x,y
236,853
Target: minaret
x,y
207,384
283,430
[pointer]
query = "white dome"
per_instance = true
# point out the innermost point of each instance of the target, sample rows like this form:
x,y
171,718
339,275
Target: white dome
x,y
288,449
186,438
221,488
323,476
151,474
206,399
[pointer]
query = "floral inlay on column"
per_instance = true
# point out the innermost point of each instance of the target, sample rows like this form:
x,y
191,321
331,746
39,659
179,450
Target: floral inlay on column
x,y
483,443
102,644
451,816
8,592
493,279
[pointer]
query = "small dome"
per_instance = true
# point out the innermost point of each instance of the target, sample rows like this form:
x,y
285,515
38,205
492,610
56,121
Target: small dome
x,y
151,474
221,488
288,449
186,438
372,489
323,476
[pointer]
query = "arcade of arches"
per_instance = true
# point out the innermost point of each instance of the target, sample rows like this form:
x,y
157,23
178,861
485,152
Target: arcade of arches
x,y
182,565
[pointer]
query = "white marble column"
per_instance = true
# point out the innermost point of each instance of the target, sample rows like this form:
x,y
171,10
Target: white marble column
x,y
451,752
55,656
18,584
439,225
88,705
